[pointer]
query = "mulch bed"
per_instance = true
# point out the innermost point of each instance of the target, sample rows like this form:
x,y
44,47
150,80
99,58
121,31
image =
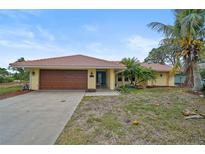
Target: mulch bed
x,y
19,92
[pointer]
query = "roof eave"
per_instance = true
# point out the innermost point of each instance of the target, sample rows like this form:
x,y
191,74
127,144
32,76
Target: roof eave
x,y
67,67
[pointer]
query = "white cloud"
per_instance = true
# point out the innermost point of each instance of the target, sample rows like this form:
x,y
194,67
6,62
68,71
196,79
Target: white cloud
x,y
90,28
96,47
19,14
141,46
26,32
34,45
34,37
44,33
7,32
137,41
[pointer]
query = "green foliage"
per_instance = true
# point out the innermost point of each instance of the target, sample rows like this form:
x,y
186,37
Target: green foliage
x,y
6,79
19,70
132,64
188,33
129,62
135,70
122,89
21,74
202,71
9,89
1,79
165,54
125,88
144,74
3,72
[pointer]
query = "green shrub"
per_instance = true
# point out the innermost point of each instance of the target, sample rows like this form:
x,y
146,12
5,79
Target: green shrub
x,y
125,88
1,79
122,89
9,79
6,79
22,76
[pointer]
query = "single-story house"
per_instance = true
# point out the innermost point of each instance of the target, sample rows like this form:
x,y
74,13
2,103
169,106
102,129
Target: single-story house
x,y
71,72
83,72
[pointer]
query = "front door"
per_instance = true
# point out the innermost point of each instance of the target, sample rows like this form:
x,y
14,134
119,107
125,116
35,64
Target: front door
x,y
101,79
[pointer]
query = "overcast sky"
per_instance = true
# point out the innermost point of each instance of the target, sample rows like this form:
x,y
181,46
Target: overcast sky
x,y
108,34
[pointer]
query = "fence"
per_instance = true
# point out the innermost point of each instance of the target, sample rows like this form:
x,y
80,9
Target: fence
x,y
12,84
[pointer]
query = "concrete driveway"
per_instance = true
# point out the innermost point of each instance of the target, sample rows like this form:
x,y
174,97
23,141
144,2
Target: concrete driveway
x,y
36,117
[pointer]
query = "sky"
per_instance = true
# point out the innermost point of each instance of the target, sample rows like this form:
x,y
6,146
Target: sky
x,y
107,34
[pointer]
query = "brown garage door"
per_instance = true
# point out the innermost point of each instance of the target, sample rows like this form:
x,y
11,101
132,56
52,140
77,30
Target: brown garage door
x,y
63,79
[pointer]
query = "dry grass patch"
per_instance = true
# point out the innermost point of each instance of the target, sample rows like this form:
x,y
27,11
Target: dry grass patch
x,y
109,120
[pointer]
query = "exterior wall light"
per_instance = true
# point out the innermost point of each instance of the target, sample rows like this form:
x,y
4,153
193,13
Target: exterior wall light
x,y
33,73
91,75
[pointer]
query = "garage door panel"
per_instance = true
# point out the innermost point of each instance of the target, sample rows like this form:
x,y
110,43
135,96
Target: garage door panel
x,y
63,79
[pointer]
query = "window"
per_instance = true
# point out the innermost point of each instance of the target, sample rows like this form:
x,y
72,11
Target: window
x,y
119,78
126,79
133,78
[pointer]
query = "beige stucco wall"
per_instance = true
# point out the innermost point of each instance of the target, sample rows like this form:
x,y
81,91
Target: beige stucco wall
x,y
92,80
110,79
165,80
161,80
171,80
34,79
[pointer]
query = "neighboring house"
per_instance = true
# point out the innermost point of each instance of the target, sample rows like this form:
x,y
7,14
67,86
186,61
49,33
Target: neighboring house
x,y
164,77
179,78
71,72
84,72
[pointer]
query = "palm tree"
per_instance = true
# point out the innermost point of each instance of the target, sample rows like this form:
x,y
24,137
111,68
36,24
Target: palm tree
x,y
187,32
131,66
136,71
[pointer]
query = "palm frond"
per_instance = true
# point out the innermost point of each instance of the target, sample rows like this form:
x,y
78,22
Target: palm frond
x,y
168,30
191,25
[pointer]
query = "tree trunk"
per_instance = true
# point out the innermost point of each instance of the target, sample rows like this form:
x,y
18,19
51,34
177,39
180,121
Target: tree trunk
x,y
189,77
197,78
131,82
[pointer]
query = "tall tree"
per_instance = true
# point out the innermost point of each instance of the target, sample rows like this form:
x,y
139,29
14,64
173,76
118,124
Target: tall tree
x,y
188,33
3,72
20,73
165,54
20,70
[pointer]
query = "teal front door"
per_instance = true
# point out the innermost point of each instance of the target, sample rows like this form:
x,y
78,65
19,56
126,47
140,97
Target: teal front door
x,y
101,79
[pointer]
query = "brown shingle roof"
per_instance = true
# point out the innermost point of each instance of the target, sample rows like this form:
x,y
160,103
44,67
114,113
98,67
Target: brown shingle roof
x,y
157,67
74,61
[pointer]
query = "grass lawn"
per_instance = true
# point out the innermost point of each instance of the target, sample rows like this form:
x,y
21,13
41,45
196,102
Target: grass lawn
x,y
109,119
9,90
